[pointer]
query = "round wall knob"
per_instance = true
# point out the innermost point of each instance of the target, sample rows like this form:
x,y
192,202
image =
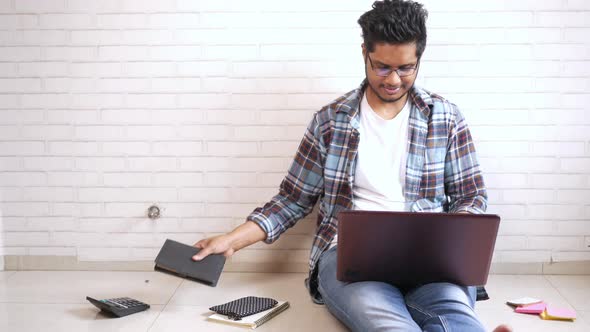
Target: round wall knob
x,y
154,212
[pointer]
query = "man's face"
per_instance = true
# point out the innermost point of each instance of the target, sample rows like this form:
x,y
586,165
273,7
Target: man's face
x,y
401,57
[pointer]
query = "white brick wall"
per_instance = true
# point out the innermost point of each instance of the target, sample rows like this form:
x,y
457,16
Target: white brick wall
x,y
109,106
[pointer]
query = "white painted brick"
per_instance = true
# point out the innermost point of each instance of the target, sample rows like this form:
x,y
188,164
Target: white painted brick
x,y
235,85
123,53
522,256
169,53
23,179
75,179
178,179
204,68
309,101
252,195
24,209
558,181
231,148
125,149
104,254
11,194
11,163
569,117
205,195
146,133
26,238
576,68
122,85
506,242
150,101
65,21
562,52
555,242
150,164
530,164
218,179
21,148
184,209
52,251
203,101
127,194
562,19
177,116
107,133
9,132
135,210
527,227
263,164
508,211
44,37
95,69
72,85
121,21
576,256
557,212
481,20
96,37
242,116
229,210
46,132
20,85
575,100
8,69
127,179
176,20
21,116
62,53
270,179
147,69
178,148
147,37
279,149
558,148
48,163
572,227
209,132
73,148
214,164
575,165
206,225
31,53
573,196
39,6
175,84
516,196
258,69
96,101
51,224
99,164
76,209
16,224
71,117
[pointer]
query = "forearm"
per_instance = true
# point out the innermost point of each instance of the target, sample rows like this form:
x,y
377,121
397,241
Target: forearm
x,y
246,234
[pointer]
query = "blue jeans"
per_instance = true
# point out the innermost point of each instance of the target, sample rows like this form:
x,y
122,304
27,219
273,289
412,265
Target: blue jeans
x,y
379,306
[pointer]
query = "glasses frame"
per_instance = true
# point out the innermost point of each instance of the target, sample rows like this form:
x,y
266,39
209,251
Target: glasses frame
x,y
385,72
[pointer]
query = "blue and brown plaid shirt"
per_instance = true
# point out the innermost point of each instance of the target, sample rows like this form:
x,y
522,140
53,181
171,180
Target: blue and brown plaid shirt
x,y
442,172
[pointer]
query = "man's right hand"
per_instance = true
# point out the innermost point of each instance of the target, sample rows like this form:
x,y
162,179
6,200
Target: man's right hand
x,y
227,244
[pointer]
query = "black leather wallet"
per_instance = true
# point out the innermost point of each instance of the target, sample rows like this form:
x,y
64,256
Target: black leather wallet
x,y
176,258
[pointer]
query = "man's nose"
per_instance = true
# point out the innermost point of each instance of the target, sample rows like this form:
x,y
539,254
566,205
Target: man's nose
x,y
393,79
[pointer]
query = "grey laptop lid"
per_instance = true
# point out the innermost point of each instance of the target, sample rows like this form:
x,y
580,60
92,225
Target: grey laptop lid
x,y
405,248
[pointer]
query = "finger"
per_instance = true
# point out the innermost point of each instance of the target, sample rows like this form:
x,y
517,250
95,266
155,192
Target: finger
x,y
202,254
201,244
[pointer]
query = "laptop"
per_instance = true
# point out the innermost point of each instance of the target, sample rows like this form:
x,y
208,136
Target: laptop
x,y
409,248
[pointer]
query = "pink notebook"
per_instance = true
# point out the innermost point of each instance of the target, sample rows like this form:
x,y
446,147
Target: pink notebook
x,y
536,308
558,313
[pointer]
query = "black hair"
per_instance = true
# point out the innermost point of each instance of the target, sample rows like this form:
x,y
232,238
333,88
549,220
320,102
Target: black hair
x,y
395,22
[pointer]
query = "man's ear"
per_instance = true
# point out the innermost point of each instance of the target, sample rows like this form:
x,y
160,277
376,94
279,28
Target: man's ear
x,y
364,50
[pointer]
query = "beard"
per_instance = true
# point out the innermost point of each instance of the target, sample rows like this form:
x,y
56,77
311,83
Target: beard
x,y
404,89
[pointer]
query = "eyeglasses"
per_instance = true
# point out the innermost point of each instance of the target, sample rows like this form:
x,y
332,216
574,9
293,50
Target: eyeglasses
x,y
386,71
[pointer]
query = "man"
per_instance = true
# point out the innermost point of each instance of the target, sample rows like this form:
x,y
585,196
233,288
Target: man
x,y
386,145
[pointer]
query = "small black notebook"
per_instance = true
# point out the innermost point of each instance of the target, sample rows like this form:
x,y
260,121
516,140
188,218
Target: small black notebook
x,y
176,258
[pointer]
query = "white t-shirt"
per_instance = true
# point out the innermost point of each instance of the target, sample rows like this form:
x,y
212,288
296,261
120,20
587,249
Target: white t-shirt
x,y
381,161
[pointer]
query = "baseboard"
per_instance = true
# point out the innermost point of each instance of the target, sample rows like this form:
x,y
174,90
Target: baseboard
x,y
71,263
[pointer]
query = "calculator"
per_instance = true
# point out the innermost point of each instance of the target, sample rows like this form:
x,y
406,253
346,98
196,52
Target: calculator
x,y
121,306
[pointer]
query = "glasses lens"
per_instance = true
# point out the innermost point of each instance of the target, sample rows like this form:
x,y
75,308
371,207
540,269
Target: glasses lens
x,y
405,71
383,71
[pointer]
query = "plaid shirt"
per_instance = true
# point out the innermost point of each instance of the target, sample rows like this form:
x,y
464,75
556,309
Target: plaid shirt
x,y
442,172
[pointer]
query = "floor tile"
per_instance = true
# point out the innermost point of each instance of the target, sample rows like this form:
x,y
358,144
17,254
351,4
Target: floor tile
x,y
578,298
70,317
74,286
4,275
280,286
298,318
568,281
524,322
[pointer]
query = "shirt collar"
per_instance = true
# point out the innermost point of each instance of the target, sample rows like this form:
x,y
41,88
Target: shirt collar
x,y
350,102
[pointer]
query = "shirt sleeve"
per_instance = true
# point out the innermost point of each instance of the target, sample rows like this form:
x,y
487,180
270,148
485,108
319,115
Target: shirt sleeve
x,y
299,190
464,183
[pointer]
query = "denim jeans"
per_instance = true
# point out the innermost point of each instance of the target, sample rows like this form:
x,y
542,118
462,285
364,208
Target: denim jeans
x,y
379,306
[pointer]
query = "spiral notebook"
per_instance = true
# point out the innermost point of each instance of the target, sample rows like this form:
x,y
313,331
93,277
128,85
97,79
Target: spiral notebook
x,y
252,321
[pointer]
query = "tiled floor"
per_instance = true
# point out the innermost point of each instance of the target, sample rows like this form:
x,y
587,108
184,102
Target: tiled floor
x,y
55,301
